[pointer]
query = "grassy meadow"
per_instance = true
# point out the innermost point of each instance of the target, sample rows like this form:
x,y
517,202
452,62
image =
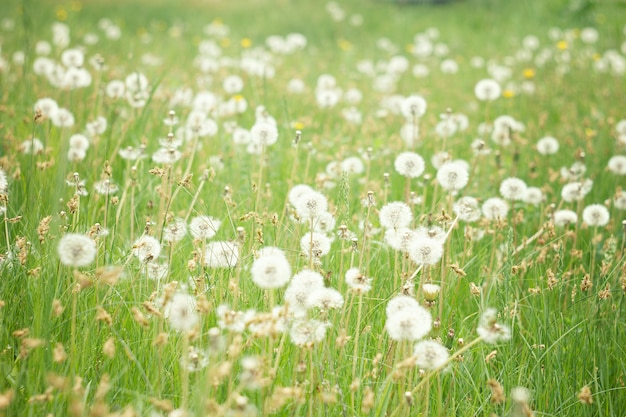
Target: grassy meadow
x,y
303,208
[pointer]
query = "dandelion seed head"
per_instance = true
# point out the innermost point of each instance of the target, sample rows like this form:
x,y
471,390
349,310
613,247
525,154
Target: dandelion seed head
x,y
513,188
425,251
430,355
547,145
325,299
221,254
409,164
491,331
467,208
564,218
75,249
452,176
271,271
487,90
617,165
409,323
204,227
395,215
413,107
495,209
300,288
306,332
146,248
181,312
596,215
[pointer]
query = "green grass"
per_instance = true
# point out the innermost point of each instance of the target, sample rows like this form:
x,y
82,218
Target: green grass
x,y
562,338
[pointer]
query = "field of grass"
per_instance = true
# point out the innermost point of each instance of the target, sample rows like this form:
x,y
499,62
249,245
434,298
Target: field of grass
x,y
197,208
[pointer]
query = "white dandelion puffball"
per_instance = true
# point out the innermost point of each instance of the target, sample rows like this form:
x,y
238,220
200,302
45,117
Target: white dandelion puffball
x,y
146,248
487,90
264,134
305,332
400,302
175,231
409,164
430,355
413,106
495,209
395,215
533,195
467,208
76,250
564,218
325,299
181,312
315,244
617,165
204,227
453,176
596,215
425,251
310,204
491,331
409,324
358,282
547,145
302,285
298,191
513,188
271,271
221,254
575,191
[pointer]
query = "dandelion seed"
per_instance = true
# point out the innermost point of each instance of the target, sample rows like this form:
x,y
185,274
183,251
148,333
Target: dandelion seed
x,y
47,106
166,156
105,187
79,141
617,165
307,332
358,282
204,227
430,355
513,188
325,299
565,218
315,244
467,209
547,146
221,254
264,134
76,250
487,90
452,176
430,291
409,323
395,215
181,312
533,195
175,231
425,251
271,271
576,191
310,204
495,209
413,107
596,215
146,248
409,164
300,288
491,331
